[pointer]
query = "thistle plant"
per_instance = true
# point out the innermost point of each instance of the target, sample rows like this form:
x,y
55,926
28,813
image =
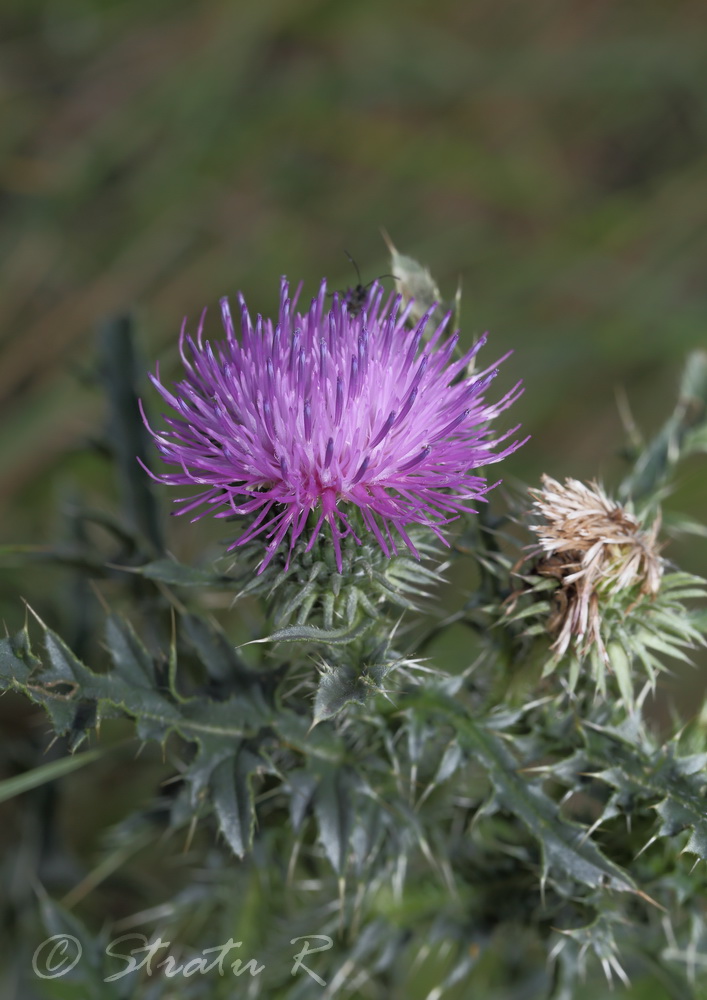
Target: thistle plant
x,y
509,829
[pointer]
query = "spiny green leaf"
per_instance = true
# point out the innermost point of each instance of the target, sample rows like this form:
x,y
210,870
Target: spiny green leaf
x,y
110,689
301,592
338,687
676,786
564,845
130,658
333,807
16,660
240,715
301,784
452,759
216,652
172,572
310,633
319,744
621,665
368,831
153,709
233,800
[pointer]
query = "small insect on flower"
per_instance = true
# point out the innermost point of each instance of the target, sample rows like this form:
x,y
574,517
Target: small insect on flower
x,y
324,417
355,298
596,549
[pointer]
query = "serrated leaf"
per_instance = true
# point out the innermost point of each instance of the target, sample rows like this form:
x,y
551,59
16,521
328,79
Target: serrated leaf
x,y
240,715
338,687
233,800
217,654
302,785
84,979
675,786
310,633
677,815
193,718
172,572
539,608
64,666
216,726
452,759
565,846
108,689
333,808
16,660
130,658
319,744
621,665
369,829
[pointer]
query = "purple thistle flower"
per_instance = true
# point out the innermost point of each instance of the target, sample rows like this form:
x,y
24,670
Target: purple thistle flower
x,y
324,412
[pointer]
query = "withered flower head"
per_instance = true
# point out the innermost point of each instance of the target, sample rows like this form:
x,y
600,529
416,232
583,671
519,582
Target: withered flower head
x,y
597,549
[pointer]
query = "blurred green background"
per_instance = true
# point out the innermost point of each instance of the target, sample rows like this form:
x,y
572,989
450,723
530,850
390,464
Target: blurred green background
x,y
155,155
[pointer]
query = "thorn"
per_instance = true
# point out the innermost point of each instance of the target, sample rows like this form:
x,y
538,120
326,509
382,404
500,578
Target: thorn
x,y
342,900
646,846
99,596
649,899
171,781
627,419
34,615
190,834
388,242
591,830
294,854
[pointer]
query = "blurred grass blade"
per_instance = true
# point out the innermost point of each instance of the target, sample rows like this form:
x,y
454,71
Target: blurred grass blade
x,y
11,787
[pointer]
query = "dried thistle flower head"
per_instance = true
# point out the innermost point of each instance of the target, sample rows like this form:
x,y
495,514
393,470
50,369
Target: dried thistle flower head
x,y
597,549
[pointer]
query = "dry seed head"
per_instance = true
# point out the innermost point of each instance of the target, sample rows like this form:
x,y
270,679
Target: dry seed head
x,y
596,548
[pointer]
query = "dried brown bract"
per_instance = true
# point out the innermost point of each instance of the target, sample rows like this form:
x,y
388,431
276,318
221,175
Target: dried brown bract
x,y
596,549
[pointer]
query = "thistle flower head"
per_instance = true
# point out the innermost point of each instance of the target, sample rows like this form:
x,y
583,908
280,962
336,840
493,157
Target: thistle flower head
x,y
596,548
301,422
